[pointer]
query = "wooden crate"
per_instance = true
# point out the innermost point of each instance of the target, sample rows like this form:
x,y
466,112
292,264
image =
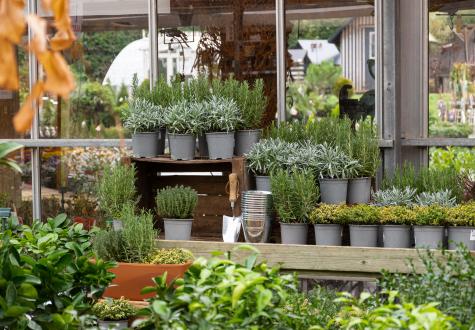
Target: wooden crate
x,y
213,202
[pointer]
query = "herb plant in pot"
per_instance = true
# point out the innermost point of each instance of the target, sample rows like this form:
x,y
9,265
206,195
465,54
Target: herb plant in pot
x,y
176,206
327,220
396,222
252,104
113,313
144,120
429,230
223,117
365,149
363,221
262,160
295,195
184,122
334,167
461,226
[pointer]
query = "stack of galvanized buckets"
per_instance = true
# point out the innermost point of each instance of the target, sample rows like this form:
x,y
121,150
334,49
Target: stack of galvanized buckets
x,y
257,215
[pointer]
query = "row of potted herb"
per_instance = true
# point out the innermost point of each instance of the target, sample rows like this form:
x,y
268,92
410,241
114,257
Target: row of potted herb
x,y
224,115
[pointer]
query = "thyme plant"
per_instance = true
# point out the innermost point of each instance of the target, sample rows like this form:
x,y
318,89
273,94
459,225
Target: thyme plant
x,y
177,202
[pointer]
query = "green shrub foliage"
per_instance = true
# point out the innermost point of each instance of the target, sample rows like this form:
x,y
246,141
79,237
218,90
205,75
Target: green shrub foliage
x,y
171,256
177,202
113,310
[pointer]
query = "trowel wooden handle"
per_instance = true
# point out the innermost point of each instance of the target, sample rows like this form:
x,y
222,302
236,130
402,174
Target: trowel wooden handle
x,y
233,187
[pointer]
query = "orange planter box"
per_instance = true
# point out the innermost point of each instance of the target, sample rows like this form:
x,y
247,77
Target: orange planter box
x,y
131,278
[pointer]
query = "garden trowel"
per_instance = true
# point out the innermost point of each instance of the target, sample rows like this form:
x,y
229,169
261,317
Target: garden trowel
x,y
232,225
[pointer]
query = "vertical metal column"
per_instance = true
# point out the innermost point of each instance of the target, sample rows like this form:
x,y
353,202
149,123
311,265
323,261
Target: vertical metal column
x,y
35,152
281,54
153,41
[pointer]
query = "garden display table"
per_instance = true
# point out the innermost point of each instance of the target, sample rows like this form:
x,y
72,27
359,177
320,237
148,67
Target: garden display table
x,y
207,177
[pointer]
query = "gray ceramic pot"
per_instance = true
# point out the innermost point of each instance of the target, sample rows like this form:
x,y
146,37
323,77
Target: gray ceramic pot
x,y
182,146
202,146
178,229
459,235
359,191
364,235
145,144
245,139
333,191
294,233
263,183
162,137
397,236
328,235
220,145
113,325
431,237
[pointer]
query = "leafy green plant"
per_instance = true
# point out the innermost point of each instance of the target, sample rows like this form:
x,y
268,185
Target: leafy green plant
x,y
113,309
252,104
295,195
334,132
432,215
220,294
447,279
7,148
461,215
142,116
116,187
171,257
292,132
394,196
462,160
396,215
177,202
185,117
327,214
197,90
364,147
334,163
443,198
360,214
401,178
223,115
264,156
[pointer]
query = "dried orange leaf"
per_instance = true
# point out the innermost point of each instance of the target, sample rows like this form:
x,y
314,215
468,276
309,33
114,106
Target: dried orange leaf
x,y
23,119
12,21
8,65
62,40
59,78
38,26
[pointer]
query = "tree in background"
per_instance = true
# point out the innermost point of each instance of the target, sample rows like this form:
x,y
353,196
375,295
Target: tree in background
x,y
316,29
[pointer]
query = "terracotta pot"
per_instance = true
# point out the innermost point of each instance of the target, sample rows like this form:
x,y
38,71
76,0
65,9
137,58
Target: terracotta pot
x,y
131,278
87,222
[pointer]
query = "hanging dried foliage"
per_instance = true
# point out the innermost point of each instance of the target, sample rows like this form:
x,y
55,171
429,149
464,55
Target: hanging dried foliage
x,y
58,79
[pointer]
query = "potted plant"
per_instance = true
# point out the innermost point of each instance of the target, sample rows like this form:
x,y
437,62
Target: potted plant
x,y
394,196
396,222
252,104
295,195
133,248
184,123
364,148
144,120
461,226
176,206
442,198
334,167
363,221
113,313
327,220
262,160
223,117
429,230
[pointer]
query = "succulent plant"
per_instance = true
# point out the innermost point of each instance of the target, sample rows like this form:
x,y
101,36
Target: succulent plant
x,y
177,202
222,115
327,214
396,215
185,118
394,196
142,116
442,198
334,163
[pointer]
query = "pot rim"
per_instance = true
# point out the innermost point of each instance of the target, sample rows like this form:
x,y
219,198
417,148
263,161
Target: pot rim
x,y
178,219
333,180
294,224
180,134
144,133
328,224
366,226
220,133
428,226
361,178
397,226
249,130
462,227
135,264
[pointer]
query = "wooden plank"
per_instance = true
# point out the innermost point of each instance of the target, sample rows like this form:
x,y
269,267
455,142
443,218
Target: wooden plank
x,y
213,205
317,259
439,142
168,160
211,185
208,226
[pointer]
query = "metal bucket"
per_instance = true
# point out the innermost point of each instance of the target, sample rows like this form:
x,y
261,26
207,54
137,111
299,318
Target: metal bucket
x,y
257,215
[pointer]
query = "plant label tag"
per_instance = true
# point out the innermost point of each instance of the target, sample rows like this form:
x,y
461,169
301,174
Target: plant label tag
x,y
117,225
472,235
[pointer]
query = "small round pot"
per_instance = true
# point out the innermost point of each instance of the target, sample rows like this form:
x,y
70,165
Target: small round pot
x,y
431,237
364,235
178,229
145,144
459,235
397,236
202,146
329,235
115,325
359,191
87,222
245,139
263,183
294,233
182,146
220,145
333,191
